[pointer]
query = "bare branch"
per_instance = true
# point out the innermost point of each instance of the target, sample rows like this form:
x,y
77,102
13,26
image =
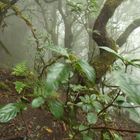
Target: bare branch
x,y
123,37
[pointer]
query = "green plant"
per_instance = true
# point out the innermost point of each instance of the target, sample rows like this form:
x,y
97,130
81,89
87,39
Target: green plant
x,y
20,70
83,106
10,111
19,86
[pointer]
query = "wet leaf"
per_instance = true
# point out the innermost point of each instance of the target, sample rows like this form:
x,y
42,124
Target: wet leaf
x,y
56,108
92,118
37,102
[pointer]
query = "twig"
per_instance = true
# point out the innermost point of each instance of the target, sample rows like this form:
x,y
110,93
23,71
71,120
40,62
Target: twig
x,y
111,128
110,104
106,128
51,63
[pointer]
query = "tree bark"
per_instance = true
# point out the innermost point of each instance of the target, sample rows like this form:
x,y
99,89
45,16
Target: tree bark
x,y
68,37
100,35
123,37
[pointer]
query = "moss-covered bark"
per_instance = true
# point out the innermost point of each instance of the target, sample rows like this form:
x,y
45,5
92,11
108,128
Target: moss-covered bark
x,y
105,59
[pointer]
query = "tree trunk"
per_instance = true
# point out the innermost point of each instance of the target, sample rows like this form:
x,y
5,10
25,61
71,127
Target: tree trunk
x,y
100,35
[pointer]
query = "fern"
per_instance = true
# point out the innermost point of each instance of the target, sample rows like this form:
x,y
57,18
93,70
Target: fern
x,y
20,69
19,86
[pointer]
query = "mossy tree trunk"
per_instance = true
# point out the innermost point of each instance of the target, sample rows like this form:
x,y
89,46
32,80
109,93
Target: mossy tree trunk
x,y
100,36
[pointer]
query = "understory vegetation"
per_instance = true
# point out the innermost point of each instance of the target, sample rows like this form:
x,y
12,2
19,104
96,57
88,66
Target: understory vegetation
x,y
87,94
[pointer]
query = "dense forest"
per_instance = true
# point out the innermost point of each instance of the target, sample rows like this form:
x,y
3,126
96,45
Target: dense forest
x,y
69,70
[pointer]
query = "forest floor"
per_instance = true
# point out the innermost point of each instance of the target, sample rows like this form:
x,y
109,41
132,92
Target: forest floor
x,y
36,124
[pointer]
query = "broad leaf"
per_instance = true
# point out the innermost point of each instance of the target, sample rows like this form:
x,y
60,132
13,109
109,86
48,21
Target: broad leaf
x,y
56,108
56,75
112,51
120,100
129,85
84,68
8,112
92,118
133,113
37,102
60,50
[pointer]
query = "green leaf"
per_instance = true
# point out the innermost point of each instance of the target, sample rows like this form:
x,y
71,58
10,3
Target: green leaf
x,y
85,137
97,105
20,69
117,137
92,118
8,112
37,102
56,75
56,108
60,50
87,107
82,127
120,99
112,51
77,88
133,113
19,86
129,85
84,68
138,137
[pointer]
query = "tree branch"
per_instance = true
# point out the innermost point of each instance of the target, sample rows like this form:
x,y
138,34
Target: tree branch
x,y
106,13
123,37
110,104
113,129
103,62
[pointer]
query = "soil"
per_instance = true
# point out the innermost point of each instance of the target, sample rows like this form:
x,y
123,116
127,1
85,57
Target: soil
x,y
37,124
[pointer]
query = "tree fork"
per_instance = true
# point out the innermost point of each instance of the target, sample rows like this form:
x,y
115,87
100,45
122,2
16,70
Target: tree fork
x,y
100,35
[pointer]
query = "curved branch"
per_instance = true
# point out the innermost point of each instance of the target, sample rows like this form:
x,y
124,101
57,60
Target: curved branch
x,y
123,37
113,129
103,62
106,13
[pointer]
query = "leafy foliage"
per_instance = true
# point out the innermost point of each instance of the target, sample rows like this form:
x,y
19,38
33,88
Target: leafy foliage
x,y
60,90
56,75
19,86
60,50
129,85
10,111
84,68
37,102
20,69
90,101
91,118
56,108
